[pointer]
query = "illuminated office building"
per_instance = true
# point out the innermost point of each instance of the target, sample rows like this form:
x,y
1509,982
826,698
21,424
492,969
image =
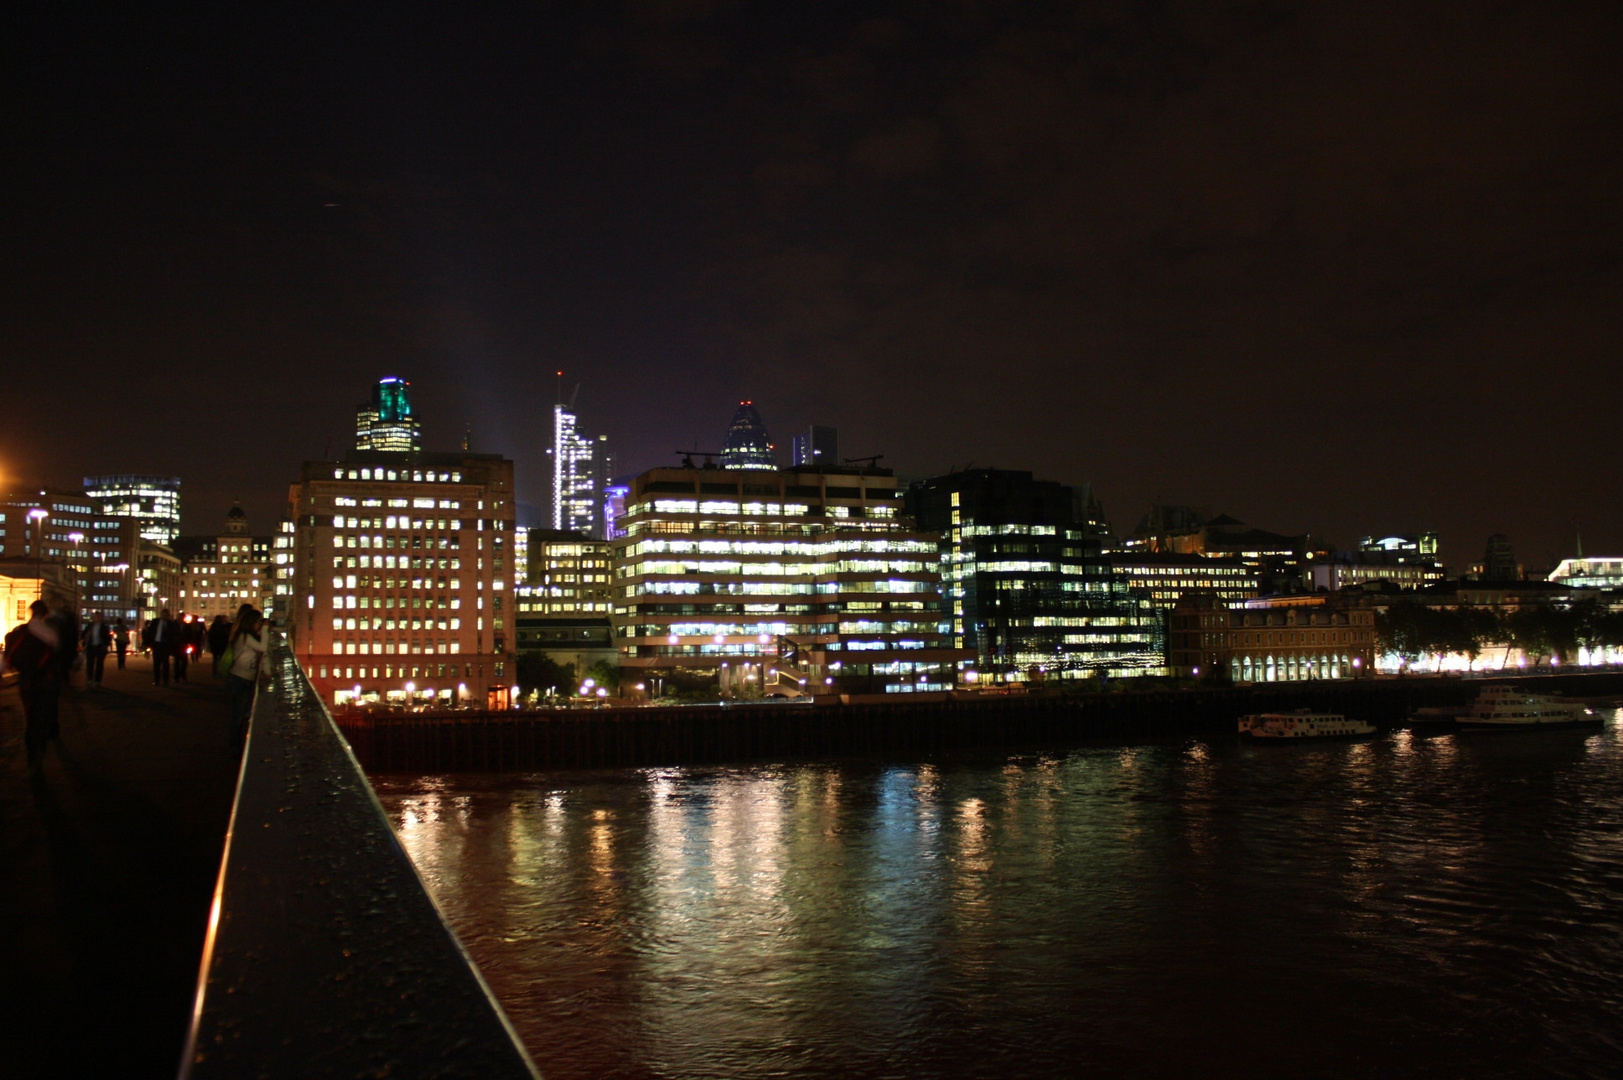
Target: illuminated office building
x,y
1164,579
570,574
226,573
574,474
386,422
93,552
152,501
1589,573
778,582
747,445
1027,584
401,584
614,508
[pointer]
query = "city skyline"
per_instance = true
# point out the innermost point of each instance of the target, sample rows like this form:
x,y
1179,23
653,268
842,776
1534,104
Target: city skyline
x,y
1336,271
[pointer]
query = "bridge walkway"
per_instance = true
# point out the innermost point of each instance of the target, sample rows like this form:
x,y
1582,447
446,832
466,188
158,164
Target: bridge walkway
x,y
108,863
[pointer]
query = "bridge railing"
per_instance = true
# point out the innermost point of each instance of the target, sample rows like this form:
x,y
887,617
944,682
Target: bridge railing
x,y
326,955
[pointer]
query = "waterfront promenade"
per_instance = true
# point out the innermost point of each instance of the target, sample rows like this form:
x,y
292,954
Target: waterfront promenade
x,y
108,862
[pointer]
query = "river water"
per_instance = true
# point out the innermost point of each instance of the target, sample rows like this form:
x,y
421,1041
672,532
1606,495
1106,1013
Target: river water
x,y
1410,907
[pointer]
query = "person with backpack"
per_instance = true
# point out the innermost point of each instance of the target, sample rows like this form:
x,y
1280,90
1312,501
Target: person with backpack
x,y
34,651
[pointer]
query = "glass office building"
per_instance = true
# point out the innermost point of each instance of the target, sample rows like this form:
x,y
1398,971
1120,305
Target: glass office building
x,y
153,501
1027,584
782,583
386,422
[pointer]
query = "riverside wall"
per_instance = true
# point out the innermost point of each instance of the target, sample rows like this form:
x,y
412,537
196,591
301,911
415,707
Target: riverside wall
x,y
744,732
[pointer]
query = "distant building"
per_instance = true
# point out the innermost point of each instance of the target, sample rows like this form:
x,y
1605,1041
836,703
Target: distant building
x,y
1404,570
151,501
779,582
1164,580
1499,560
614,508
401,589
747,445
1028,586
1418,548
386,422
819,445
579,463
1280,560
1589,573
97,553
231,571
1294,640
570,574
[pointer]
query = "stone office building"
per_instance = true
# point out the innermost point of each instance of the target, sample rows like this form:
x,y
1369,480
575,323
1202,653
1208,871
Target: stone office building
x,y
400,589
1288,639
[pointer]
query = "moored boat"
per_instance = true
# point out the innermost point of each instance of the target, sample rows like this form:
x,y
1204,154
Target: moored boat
x,y
1507,708
1302,724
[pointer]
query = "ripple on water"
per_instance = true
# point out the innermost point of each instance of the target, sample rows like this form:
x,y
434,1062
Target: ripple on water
x,y
1404,907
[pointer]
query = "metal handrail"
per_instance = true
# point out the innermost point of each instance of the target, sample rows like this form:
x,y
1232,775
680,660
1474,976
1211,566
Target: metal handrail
x,y
326,956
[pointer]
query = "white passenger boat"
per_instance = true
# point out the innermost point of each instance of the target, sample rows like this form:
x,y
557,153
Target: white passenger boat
x,y
1507,708
1303,724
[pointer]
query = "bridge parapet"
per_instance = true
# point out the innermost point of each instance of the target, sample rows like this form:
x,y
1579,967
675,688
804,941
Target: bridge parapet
x,y
326,955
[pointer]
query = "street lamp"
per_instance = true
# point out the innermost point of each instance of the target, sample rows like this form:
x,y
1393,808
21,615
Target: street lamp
x,y
38,516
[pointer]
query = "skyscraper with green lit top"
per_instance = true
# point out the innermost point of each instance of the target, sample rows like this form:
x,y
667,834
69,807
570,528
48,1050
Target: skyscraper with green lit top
x,y
386,422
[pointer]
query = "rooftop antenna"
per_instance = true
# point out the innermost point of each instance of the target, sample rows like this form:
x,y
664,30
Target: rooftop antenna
x,y
559,397
1579,536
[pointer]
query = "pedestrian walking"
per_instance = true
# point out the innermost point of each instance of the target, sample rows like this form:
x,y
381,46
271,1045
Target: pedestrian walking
x,y
184,646
121,641
159,636
219,636
245,656
97,639
34,651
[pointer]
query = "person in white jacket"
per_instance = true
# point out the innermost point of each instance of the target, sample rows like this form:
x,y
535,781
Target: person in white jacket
x,y
250,636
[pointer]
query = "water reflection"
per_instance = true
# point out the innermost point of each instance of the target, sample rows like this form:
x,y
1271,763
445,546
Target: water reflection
x,y
1115,909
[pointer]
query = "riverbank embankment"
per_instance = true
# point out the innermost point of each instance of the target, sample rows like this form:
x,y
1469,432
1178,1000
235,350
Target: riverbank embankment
x,y
758,731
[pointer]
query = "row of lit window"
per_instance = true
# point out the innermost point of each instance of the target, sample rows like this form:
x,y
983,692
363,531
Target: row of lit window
x,y
379,623
412,476
368,648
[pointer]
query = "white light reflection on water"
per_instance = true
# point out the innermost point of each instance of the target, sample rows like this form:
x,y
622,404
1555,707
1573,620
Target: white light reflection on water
x,y
1408,906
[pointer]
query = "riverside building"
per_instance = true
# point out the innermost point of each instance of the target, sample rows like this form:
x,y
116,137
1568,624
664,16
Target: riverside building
x,y
1291,639
757,581
401,577
1028,586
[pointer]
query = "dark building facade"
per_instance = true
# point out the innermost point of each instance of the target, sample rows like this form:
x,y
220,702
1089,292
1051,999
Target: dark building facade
x,y
1026,582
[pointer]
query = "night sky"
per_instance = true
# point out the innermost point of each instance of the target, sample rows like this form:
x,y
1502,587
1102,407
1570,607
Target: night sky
x,y
1328,267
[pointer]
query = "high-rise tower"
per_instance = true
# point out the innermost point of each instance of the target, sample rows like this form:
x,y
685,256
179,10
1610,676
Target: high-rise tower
x,y
574,486
386,422
819,446
747,445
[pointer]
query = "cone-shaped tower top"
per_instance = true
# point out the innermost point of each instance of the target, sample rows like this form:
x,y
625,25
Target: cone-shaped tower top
x,y
747,445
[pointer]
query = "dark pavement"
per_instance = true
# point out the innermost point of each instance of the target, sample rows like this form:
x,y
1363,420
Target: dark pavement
x,y
108,862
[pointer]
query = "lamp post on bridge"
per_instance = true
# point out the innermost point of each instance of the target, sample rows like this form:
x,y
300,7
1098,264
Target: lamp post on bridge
x,y
38,516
